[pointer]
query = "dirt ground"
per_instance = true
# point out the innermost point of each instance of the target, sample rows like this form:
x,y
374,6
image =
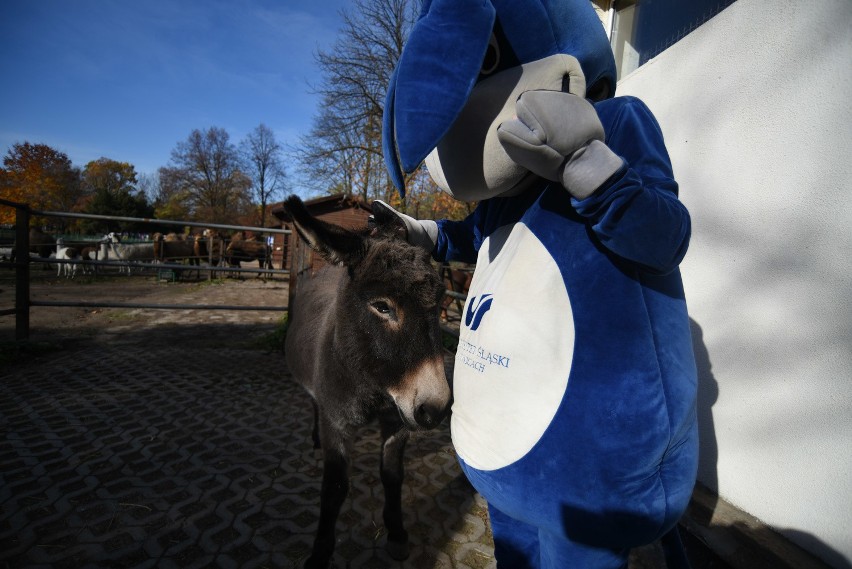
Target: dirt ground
x,y
50,324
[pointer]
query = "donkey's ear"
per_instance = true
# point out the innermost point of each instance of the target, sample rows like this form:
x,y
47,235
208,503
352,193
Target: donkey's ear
x,y
336,244
386,222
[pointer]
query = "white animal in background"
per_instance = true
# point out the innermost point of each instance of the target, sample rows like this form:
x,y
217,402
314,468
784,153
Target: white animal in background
x,y
128,252
103,252
64,253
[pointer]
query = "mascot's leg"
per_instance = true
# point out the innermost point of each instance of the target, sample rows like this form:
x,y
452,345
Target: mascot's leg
x,y
674,551
558,552
518,545
515,542
677,474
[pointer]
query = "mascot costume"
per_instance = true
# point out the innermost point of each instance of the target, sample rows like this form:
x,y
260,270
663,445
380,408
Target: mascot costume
x,y
575,383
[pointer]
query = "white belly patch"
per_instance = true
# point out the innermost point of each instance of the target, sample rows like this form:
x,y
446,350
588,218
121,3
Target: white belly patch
x,y
515,351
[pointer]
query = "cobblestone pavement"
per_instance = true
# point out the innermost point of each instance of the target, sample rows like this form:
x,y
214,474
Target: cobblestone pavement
x,y
176,459
174,443
156,438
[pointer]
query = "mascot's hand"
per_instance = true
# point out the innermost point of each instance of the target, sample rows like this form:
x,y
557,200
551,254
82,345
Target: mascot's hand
x,y
421,233
560,137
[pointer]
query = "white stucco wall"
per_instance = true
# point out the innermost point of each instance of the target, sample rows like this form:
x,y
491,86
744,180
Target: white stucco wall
x,y
756,108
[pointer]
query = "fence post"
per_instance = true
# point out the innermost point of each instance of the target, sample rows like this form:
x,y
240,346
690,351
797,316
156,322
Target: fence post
x,y
209,257
294,259
22,272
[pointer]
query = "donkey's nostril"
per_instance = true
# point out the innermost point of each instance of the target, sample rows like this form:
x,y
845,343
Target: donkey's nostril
x,y
428,416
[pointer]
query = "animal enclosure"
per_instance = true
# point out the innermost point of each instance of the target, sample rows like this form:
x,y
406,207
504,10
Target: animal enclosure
x,y
208,250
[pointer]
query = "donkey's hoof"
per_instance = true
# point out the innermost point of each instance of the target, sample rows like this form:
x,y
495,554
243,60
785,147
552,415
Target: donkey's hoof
x,y
398,550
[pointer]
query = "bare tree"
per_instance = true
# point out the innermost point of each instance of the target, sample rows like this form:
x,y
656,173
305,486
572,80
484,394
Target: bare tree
x,y
343,150
262,158
205,174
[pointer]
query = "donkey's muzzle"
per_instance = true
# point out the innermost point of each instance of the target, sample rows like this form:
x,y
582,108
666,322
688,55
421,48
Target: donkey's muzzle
x,y
423,395
429,416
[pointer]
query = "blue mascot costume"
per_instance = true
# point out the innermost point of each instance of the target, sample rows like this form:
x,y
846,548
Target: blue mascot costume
x,y
575,382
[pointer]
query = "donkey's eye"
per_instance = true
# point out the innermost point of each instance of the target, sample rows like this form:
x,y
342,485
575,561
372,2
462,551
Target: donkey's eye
x,y
384,309
381,307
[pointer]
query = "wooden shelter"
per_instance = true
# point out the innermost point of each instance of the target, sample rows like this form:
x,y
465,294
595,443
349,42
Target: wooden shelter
x,y
288,250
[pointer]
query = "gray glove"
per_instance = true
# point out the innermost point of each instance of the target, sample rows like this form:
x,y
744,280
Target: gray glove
x,y
422,233
560,137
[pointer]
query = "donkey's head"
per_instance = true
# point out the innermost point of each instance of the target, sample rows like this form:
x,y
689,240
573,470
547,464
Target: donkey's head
x,y
387,333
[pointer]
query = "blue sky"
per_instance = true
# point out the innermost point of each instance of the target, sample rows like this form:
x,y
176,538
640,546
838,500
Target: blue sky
x,y
129,79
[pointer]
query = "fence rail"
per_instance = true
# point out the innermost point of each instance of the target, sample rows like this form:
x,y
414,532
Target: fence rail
x,y
153,221
82,304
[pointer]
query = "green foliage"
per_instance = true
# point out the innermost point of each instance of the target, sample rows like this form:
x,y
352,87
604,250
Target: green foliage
x,y
273,341
449,341
110,188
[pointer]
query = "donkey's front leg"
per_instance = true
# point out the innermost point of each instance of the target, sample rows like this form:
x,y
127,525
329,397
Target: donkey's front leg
x,y
315,431
394,437
335,486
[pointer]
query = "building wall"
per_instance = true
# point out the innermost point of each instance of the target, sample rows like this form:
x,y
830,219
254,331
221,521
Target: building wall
x,y
755,107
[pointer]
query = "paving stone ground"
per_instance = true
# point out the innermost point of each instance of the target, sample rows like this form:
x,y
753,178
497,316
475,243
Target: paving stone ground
x,y
168,439
152,438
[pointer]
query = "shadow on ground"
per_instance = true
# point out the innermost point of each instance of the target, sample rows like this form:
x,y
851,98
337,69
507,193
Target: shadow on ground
x,y
187,447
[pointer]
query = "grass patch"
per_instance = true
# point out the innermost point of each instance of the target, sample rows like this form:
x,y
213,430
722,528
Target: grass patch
x,y
119,314
15,352
449,341
272,341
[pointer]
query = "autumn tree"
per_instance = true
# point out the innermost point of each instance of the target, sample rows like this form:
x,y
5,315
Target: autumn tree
x,y
204,176
343,149
263,162
167,195
110,189
109,176
425,201
41,177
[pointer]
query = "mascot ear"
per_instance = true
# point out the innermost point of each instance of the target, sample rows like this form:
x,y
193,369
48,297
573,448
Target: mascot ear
x,y
436,72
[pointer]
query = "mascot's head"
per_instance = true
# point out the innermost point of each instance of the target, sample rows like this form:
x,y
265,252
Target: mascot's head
x,y
465,64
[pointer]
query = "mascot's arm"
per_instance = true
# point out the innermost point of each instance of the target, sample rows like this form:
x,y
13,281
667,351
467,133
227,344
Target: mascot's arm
x,y
636,213
457,239
612,160
559,136
446,240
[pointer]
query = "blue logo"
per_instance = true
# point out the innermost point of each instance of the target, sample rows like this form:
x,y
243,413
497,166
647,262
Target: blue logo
x,y
476,310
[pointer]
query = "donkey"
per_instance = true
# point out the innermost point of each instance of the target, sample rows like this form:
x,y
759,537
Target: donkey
x,y
365,342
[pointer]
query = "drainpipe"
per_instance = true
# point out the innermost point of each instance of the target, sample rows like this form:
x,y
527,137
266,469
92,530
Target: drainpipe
x,y
610,20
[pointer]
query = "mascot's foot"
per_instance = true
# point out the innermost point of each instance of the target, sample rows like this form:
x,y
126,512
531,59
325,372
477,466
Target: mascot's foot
x,y
398,550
